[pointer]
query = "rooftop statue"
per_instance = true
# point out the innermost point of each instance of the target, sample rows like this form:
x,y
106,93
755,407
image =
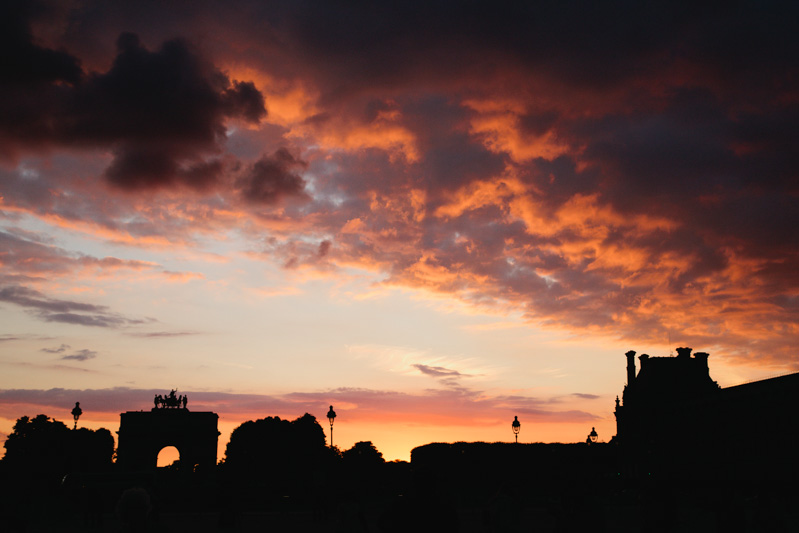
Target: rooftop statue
x,y
170,401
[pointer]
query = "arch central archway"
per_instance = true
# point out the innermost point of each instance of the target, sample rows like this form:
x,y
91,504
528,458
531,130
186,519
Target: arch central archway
x,y
167,456
142,436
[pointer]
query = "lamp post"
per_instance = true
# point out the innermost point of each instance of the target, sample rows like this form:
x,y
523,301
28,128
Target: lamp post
x,y
516,426
331,416
592,437
76,412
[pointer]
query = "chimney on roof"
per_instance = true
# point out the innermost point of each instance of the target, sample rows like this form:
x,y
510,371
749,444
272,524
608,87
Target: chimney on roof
x,y
683,353
630,367
701,358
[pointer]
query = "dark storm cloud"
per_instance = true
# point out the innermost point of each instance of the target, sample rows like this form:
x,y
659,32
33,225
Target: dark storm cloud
x,y
696,163
25,62
537,123
396,41
597,46
452,156
272,178
64,311
162,113
164,108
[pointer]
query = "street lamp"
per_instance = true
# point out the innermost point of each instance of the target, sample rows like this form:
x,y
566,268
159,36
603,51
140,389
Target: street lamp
x,y
516,426
76,412
331,416
592,437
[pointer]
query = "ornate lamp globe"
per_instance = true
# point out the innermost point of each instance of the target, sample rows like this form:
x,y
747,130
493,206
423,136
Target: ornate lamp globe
x,y
331,416
516,426
76,412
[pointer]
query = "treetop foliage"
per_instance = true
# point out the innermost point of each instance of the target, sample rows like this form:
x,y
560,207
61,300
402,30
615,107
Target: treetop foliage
x,y
45,448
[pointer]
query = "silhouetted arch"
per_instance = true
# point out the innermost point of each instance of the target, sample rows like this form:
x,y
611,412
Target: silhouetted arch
x,y
142,435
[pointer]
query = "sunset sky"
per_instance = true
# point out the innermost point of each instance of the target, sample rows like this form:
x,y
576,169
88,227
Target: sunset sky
x,y
434,216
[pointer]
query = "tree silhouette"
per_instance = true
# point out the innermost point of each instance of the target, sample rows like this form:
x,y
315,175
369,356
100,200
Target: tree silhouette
x,y
308,435
276,454
363,468
91,450
362,455
36,450
41,449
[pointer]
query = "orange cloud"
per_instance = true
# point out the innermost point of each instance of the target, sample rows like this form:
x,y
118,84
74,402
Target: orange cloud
x,y
384,134
478,194
288,102
497,124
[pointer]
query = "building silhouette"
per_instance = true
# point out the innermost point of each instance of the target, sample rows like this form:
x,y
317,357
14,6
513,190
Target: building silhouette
x,y
675,422
143,434
663,387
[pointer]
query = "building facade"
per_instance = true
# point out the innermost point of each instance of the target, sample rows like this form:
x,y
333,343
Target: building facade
x,y
673,420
